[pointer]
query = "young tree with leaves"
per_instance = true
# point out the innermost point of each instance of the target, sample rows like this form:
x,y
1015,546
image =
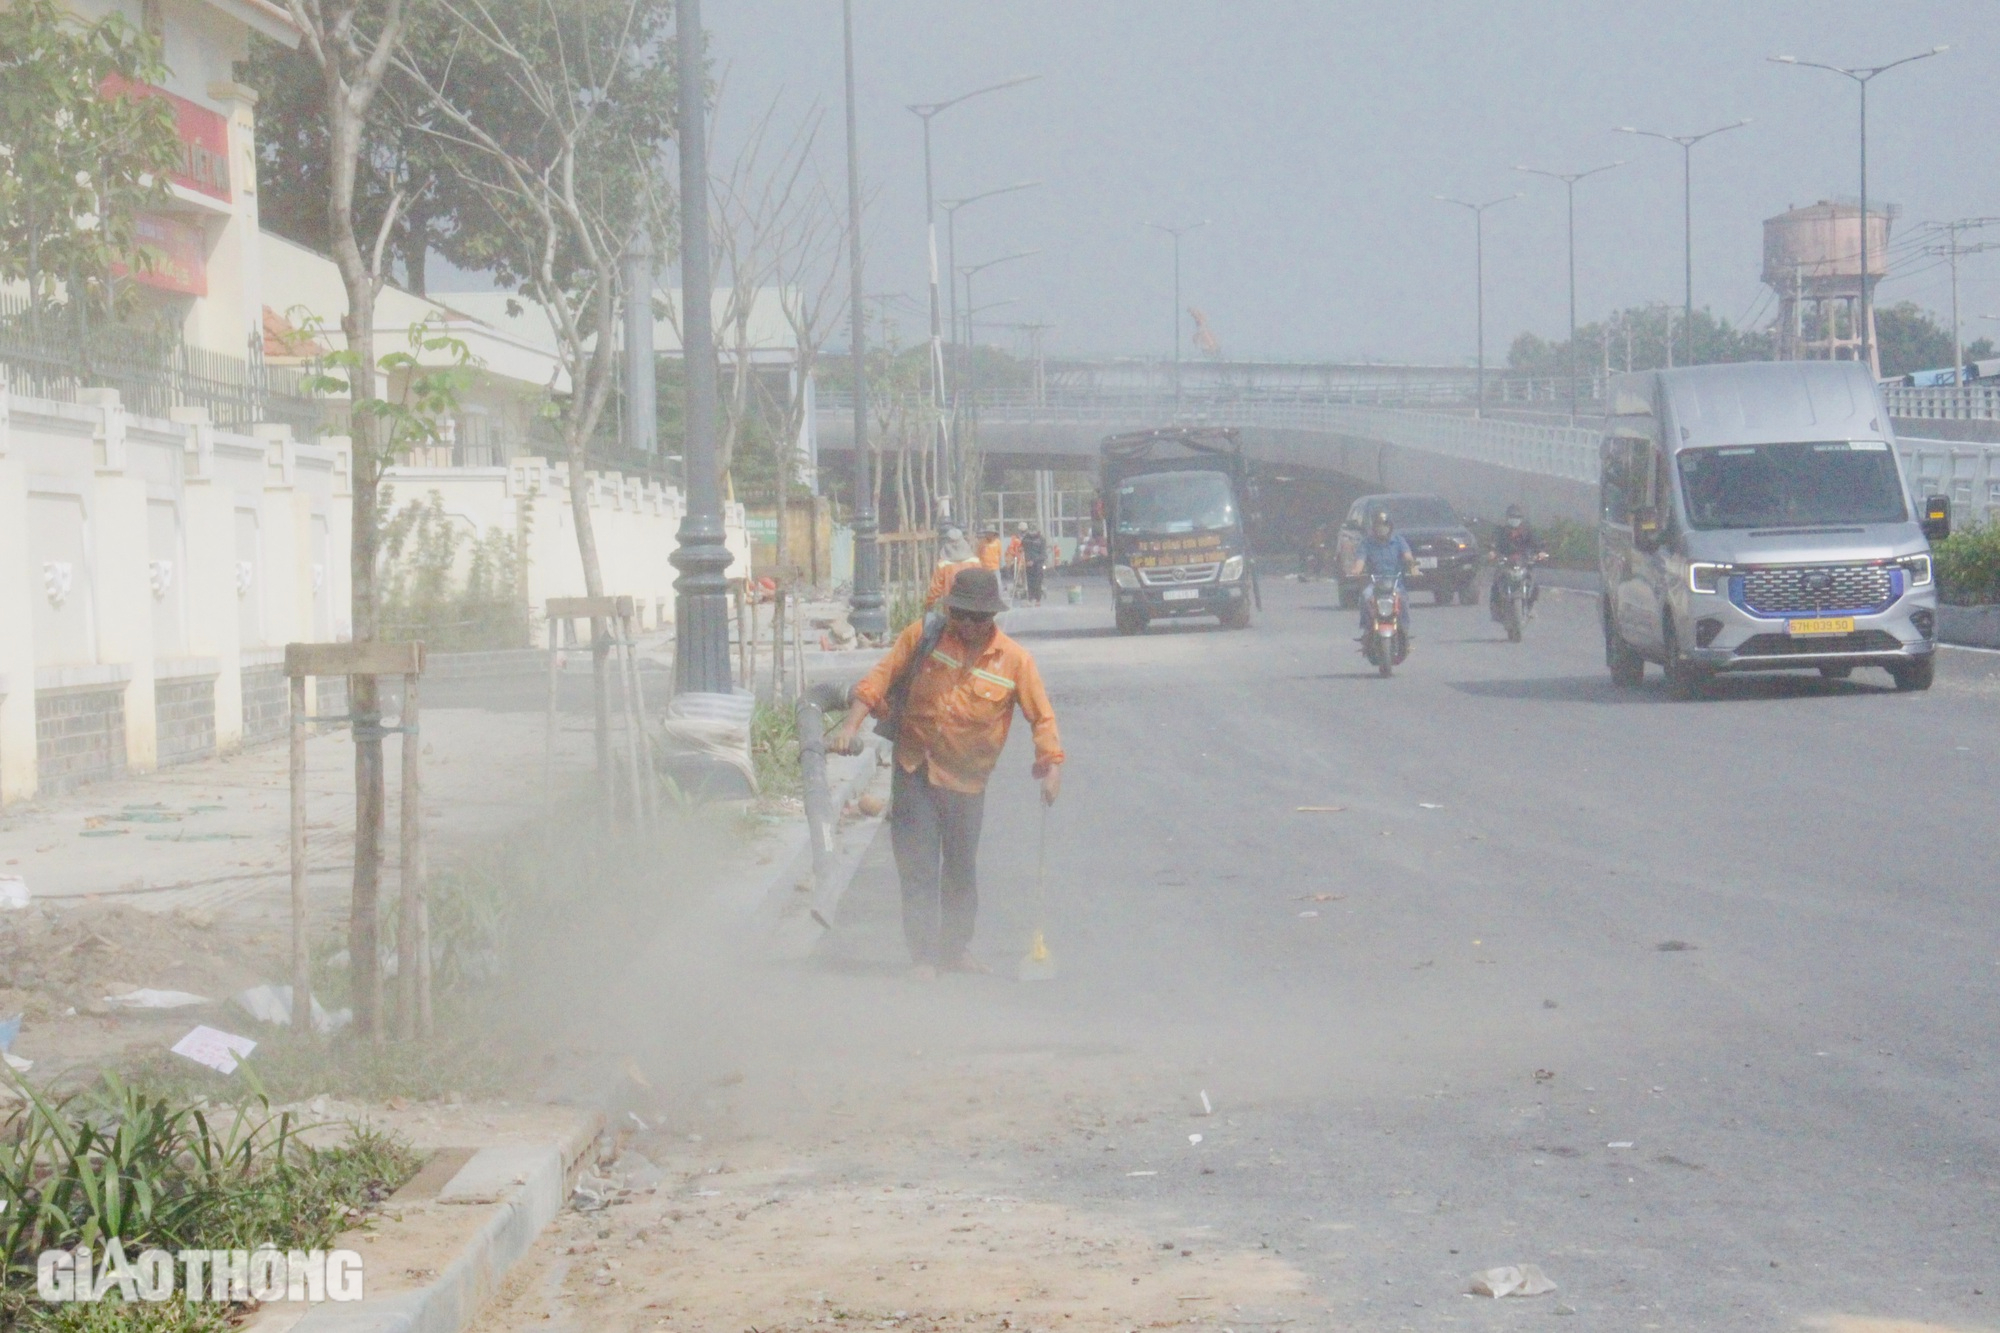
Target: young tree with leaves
x,y
84,149
353,42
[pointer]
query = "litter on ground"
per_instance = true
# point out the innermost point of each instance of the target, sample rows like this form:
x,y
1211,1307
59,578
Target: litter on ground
x,y
219,1050
1511,1280
147,998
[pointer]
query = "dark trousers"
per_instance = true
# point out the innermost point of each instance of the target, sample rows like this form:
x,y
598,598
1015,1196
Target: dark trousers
x,y
935,831
1035,572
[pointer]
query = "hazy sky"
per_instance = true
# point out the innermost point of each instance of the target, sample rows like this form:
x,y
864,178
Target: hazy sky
x,y
1313,134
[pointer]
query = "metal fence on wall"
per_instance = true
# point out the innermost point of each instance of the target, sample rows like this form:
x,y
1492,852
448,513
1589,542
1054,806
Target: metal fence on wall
x,y
54,352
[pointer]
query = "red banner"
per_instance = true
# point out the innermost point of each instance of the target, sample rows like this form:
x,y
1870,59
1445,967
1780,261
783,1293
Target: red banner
x,y
204,138
178,255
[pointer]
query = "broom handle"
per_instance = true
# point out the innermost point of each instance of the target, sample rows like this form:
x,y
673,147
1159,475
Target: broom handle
x,y
1042,869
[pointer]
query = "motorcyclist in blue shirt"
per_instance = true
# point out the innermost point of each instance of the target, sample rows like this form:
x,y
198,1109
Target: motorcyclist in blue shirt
x,y
1384,554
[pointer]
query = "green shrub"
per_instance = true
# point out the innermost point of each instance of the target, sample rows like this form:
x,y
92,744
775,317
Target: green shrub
x,y
422,595
1968,565
118,1161
1570,544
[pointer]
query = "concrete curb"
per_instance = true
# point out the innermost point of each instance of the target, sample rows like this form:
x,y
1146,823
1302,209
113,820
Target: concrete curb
x,y
1969,626
525,1185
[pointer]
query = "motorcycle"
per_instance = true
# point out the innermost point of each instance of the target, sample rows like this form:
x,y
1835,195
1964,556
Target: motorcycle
x,y
1382,639
1515,592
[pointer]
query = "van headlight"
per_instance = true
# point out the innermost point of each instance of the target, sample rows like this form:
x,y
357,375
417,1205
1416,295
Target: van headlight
x,y
1704,577
1232,569
1918,567
1124,577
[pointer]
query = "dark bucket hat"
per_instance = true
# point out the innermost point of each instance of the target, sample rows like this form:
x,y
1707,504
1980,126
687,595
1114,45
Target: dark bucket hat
x,y
975,590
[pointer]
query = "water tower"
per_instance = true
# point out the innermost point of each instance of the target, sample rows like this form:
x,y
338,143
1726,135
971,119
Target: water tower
x,y
1812,260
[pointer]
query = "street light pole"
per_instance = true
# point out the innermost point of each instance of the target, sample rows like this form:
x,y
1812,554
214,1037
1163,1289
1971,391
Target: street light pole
x,y
1687,143
1862,77
969,272
1569,180
701,593
926,111
1177,233
1479,283
951,207
865,604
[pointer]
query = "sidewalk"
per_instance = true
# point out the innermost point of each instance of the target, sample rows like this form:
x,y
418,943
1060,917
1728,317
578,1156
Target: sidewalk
x,y
215,835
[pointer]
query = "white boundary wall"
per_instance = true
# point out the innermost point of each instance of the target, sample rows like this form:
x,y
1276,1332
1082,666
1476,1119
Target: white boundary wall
x,y
160,566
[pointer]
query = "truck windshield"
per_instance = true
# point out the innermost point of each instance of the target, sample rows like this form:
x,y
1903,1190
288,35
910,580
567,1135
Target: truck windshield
x,y
1176,502
1792,485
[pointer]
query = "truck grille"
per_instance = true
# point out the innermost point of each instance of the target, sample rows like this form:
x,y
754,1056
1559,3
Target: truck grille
x,y
1817,588
1179,574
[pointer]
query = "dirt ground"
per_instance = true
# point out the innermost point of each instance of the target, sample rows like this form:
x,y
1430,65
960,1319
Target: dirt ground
x,y
892,1202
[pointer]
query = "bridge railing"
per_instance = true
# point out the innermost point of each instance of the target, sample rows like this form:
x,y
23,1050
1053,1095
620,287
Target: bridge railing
x,y
1546,449
1960,402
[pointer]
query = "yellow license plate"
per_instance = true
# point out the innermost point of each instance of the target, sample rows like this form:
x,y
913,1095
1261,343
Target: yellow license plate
x,y
1824,625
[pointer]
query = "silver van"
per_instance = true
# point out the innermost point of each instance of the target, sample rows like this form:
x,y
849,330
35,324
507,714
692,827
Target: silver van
x,y
1755,517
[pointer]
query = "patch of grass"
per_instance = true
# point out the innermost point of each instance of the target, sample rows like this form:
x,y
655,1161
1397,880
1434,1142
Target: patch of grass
x,y
774,748
288,1068
119,1161
906,605
112,1316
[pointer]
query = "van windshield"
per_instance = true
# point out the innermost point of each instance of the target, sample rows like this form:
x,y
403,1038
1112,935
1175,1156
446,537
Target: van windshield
x,y
1166,502
1791,485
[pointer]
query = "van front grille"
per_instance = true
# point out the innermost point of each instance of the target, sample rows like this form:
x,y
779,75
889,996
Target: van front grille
x,y
1810,645
1816,589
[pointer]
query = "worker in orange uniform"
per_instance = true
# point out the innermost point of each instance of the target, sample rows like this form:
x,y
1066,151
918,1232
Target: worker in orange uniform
x,y
954,553
954,724
989,549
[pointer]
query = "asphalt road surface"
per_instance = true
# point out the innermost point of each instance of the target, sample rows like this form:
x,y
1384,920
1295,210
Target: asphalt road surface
x,y
1691,1004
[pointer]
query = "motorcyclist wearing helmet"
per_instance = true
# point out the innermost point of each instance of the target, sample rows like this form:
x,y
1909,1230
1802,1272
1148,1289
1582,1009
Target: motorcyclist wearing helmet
x,y
1384,553
1513,538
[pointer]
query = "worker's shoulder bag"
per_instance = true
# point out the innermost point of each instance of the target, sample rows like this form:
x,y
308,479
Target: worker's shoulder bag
x,y
898,698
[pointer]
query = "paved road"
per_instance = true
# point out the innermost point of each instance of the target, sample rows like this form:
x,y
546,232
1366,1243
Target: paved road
x,y
1691,1004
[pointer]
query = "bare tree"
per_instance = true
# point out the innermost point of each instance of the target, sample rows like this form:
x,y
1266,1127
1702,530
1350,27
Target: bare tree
x,y
567,177
761,204
807,272
353,42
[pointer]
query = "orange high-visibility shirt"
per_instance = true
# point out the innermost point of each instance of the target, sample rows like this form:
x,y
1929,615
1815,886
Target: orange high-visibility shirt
x,y
960,710
941,580
989,553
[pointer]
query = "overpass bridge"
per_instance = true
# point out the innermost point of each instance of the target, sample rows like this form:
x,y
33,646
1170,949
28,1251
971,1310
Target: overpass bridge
x,y
1524,451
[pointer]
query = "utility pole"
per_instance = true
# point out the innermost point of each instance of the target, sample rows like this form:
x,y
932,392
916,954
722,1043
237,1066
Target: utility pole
x,y
1951,250
864,606
1862,76
1479,284
1687,143
1569,180
701,593
926,112
1177,233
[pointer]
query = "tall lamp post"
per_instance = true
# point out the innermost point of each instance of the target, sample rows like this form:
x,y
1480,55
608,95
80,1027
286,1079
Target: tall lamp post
x,y
926,112
951,207
1862,77
1569,180
1687,143
1177,233
970,271
1479,282
865,604
701,593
